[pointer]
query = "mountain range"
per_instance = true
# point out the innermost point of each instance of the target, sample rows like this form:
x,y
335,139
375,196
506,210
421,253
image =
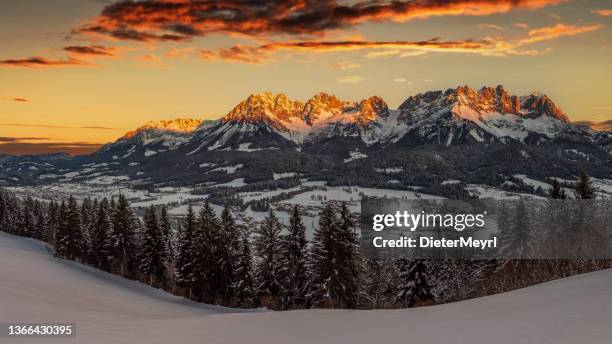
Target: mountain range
x,y
480,135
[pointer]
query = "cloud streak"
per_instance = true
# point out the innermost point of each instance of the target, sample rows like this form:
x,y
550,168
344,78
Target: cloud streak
x,y
16,99
180,20
498,46
96,50
26,148
49,126
43,62
603,13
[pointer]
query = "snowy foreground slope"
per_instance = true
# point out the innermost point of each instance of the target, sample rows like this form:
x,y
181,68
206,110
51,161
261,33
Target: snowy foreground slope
x,y
106,309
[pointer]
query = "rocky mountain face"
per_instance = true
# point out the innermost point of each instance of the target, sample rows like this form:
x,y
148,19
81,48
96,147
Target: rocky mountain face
x,y
429,135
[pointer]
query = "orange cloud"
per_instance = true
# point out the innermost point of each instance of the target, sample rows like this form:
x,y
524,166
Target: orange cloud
x,y
43,62
179,20
489,46
556,31
97,50
604,13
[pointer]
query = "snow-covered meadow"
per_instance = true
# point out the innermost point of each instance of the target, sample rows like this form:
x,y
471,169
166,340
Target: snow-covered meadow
x,y
37,287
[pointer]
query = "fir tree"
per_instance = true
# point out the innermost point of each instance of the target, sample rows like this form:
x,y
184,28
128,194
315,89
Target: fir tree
x,y
185,255
207,269
414,287
296,253
101,246
326,283
153,250
69,232
40,222
26,224
268,251
348,257
555,191
123,237
166,232
244,285
584,187
227,254
517,239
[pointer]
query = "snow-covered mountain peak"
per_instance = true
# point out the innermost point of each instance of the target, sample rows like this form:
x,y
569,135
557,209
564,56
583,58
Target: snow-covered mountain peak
x,y
265,108
178,125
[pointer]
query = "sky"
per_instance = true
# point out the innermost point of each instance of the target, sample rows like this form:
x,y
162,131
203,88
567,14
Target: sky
x,y
75,74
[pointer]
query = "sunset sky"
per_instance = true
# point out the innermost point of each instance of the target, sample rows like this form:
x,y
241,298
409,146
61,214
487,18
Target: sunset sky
x,y
75,74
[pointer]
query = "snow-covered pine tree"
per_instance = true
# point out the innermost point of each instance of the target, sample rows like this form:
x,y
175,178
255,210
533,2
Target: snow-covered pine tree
x,y
206,241
122,237
166,232
584,187
268,251
227,255
69,233
556,191
88,219
518,240
413,288
325,280
244,290
185,255
52,223
348,258
26,223
152,250
101,245
40,221
296,253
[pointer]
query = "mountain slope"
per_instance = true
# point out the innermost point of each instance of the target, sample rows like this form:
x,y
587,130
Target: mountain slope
x,y
37,287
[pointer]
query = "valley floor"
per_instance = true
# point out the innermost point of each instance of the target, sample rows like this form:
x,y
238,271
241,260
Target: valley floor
x,y
36,287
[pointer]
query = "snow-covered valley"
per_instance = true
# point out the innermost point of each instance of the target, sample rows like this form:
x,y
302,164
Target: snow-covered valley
x,y
37,287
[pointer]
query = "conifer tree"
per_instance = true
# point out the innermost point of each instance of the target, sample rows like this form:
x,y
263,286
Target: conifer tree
x,y
244,285
88,214
69,232
348,260
555,191
153,250
166,232
326,283
584,187
122,237
206,243
26,225
101,246
40,222
414,286
227,254
296,254
52,222
185,253
517,239
268,251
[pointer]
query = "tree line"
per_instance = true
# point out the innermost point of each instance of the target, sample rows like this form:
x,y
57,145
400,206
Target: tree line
x,y
211,258
208,258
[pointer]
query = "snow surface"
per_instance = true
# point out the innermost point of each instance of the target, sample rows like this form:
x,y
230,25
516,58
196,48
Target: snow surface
x,y
108,309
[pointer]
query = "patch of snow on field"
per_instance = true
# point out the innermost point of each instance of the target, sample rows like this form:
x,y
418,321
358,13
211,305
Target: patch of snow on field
x,y
390,170
236,183
227,169
355,155
278,176
150,152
